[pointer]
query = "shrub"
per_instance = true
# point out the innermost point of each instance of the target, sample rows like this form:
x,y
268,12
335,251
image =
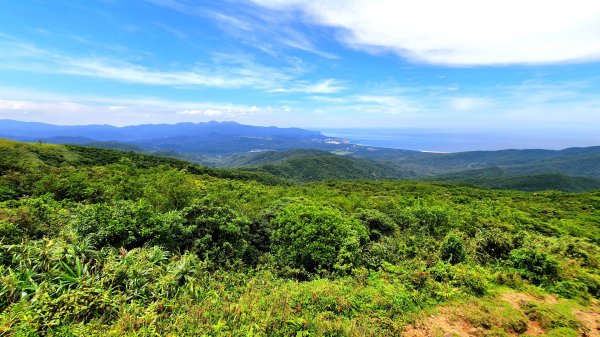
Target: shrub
x,y
472,279
591,282
386,249
569,289
169,190
34,218
378,223
550,317
537,266
216,232
10,233
511,279
129,224
453,249
314,238
68,183
403,217
7,194
493,244
118,225
431,220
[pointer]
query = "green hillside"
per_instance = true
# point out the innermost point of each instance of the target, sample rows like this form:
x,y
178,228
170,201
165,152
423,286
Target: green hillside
x,y
579,162
96,242
32,156
314,165
500,179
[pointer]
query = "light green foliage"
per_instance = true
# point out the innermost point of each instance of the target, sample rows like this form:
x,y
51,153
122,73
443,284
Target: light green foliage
x,y
551,316
493,244
127,224
169,189
315,238
431,220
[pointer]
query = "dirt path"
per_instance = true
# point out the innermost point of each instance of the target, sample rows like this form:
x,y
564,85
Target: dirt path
x,y
451,321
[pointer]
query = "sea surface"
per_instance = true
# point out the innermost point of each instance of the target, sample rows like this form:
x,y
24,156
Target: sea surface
x,y
436,140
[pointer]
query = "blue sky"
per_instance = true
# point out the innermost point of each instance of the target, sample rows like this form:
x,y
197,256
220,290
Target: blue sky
x,y
306,63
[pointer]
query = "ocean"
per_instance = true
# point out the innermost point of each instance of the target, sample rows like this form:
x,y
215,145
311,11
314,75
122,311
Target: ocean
x,y
436,140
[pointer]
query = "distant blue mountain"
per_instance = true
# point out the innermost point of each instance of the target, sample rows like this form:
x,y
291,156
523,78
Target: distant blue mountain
x,y
41,131
196,138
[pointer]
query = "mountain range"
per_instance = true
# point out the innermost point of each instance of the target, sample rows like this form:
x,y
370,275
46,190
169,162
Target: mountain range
x,y
304,155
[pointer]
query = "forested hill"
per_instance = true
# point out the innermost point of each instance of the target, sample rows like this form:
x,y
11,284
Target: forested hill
x,y
103,243
314,165
498,178
35,156
583,162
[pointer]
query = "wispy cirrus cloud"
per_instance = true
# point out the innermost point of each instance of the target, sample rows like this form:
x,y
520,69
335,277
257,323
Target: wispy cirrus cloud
x,y
328,86
225,71
466,103
234,73
258,28
557,104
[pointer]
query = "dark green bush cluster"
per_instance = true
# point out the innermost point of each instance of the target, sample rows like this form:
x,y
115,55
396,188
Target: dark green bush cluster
x,y
453,249
379,224
493,245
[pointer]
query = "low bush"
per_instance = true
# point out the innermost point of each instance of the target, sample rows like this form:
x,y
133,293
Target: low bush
x,y
493,245
316,238
539,267
453,249
378,223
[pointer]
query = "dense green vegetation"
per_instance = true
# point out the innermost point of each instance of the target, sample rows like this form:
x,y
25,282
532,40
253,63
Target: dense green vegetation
x,y
577,162
100,242
315,165
305,156
500,179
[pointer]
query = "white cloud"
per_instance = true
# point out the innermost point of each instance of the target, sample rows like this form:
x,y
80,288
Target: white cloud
x,y
255,28
231,71
387,104
463,32
80,109
328,99
207,112
328,86
468,103
13,105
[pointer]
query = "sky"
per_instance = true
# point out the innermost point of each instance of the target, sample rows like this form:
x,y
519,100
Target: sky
x,y
471,64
